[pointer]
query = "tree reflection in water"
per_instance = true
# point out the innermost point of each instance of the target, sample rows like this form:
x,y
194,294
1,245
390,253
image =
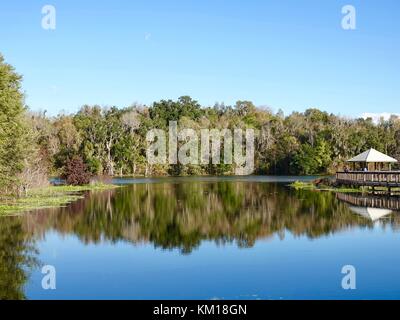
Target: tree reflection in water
x,y
181,215
17,258
175,216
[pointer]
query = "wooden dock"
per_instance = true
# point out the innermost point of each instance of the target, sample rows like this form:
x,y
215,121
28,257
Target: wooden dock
x,y
388,179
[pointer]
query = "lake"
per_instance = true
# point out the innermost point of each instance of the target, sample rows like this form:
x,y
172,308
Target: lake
x,y
204,238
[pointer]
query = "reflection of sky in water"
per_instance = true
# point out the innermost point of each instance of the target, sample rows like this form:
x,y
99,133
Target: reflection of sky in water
x,y
196,238
295,267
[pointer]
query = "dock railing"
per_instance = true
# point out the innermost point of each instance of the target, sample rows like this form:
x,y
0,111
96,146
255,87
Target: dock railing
x,y
370,178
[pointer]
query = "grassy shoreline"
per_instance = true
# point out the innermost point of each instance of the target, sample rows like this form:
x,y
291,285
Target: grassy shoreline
x,y
48,197
299,185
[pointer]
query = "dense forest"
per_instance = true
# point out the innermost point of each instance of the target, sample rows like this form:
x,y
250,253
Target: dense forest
x,y
112,141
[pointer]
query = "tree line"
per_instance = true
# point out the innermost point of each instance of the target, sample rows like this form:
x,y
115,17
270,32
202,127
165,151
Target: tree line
x,y
112,141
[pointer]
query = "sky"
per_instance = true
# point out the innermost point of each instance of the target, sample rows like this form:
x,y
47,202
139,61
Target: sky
x,y
284,54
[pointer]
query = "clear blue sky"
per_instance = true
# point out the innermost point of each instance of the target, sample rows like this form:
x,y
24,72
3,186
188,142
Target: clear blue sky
x,y
288,54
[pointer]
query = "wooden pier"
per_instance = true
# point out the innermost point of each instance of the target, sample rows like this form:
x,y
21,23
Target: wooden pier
x,y
388,179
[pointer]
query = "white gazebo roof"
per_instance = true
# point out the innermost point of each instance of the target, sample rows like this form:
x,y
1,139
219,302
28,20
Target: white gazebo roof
x,y
372,155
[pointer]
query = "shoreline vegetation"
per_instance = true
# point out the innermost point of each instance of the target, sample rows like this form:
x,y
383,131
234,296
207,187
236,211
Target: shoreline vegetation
x,y
48,197
312,186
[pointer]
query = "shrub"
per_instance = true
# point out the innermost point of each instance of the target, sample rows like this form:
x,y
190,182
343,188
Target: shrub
x,y
76,172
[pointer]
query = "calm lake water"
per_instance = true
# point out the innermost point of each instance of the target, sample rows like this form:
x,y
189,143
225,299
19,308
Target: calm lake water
x,y
203,238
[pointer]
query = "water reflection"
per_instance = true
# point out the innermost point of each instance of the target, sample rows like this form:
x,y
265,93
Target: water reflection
x,y
180,216
17,258
373,214
370,206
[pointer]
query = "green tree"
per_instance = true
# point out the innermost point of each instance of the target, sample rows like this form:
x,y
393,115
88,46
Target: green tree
x,y
313,160
11,127
168,110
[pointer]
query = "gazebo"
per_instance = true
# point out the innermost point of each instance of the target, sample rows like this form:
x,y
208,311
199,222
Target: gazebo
x,y
372,169
372,160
